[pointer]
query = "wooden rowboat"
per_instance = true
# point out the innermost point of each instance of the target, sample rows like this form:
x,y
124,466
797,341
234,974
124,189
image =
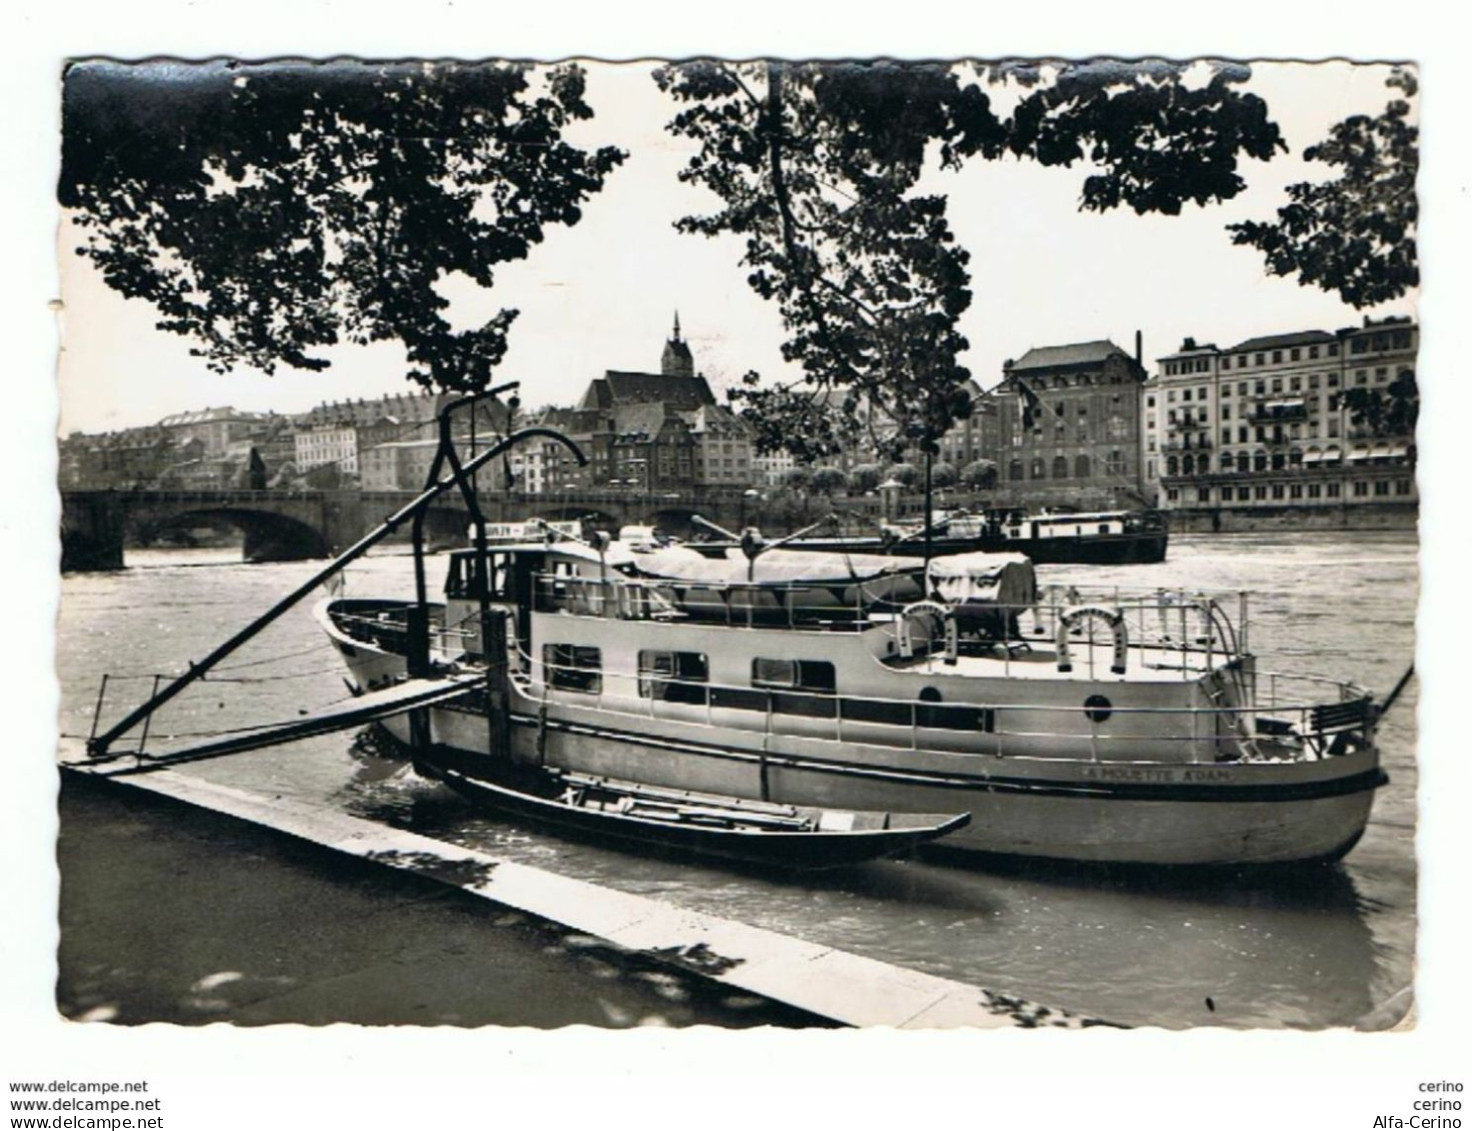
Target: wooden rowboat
x,y
756,832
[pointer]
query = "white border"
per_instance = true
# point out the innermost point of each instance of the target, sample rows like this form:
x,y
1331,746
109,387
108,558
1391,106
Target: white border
x,y
225,1078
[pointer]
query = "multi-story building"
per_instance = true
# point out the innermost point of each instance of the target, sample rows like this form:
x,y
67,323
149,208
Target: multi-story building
x,y
723,443
321,444
770,469
1069,422
131,459
217,428
1273,422
977,436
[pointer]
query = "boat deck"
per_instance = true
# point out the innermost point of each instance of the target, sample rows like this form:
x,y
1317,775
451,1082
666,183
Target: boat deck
x,y
1091,662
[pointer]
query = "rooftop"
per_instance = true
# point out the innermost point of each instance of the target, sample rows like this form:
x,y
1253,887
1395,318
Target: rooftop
x,y
1278,341
1079,353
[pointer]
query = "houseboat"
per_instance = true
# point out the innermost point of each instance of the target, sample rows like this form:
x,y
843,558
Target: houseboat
x,y
1131,729
1048,538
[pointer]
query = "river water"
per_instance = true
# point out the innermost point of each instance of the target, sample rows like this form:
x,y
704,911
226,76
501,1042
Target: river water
x,y
1329,946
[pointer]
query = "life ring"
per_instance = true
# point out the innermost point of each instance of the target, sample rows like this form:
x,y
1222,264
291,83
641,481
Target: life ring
x,y
948,620
1070,618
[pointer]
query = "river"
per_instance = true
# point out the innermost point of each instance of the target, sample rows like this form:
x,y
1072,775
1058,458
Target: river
x,y
1323,947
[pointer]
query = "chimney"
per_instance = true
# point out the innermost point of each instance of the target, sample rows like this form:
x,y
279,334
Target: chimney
x,y
1139,349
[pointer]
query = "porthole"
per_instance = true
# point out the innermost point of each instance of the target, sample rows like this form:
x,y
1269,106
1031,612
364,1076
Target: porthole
x,y
1098,708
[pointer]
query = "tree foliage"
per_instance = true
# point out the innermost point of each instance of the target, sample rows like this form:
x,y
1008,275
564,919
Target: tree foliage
x,y
980,474
907,474
1355,233
1391,412
270,211
865,477
796,478
944,476
817,168
826,480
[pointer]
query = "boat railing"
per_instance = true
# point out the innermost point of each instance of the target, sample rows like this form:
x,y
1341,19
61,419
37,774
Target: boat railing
x,y
1196,626
735,604
1339,718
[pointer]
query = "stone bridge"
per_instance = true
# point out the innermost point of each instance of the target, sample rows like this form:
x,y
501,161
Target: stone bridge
x,y
289,526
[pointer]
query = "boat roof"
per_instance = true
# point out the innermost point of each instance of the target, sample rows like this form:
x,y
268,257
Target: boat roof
x,y
775,567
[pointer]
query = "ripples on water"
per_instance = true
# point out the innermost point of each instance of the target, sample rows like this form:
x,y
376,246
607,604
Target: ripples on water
x,y
1322,947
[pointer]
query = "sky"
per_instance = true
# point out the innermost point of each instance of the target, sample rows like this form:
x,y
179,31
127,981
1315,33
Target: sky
x,y
603,293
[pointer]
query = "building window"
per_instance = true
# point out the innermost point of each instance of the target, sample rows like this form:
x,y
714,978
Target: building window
x,y
1295,491
1228,463
1226,435
1361,489
1060,467
1402,486
1257,359
1313,352
1188,465
677,677
1315,490
1243,494
572,667
1260,491
1037,468
1172,466
1277,490
1382,487
1259,461
1332,490
1172,494
1081,467
1203,494
1014,471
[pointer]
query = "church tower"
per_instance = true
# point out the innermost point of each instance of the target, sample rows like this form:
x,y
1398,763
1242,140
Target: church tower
x,y
677,360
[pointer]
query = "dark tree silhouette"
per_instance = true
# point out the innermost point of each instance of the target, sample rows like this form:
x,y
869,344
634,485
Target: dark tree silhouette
x,y
1393,412
1356,233
980,475
268,211
816,166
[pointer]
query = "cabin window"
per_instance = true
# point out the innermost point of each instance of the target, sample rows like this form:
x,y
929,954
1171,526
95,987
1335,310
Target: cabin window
x,y
795,675
573,667
678,677
798,687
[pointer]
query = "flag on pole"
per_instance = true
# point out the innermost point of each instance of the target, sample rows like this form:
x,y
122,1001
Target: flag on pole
x,y
1029,403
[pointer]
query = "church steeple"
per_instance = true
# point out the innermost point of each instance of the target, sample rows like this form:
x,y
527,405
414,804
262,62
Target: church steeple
x,y
677,360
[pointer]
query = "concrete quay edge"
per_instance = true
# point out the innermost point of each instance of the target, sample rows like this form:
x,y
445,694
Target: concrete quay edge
x,y
822,980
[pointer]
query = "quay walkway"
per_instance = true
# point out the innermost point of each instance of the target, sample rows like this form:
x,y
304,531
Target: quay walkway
x,y
182,902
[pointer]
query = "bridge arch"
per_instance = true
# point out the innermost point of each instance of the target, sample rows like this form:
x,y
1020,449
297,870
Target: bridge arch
x,y
270,536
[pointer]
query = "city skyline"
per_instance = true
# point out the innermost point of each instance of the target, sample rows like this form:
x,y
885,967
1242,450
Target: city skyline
x,y
600,295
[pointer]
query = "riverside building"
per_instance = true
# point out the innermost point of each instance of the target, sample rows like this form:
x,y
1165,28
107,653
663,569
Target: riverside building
x,y
1069,421
1272,426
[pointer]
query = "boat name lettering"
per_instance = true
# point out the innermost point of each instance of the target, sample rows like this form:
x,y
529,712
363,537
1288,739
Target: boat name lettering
x,y
1128,773
1209,775
1158,774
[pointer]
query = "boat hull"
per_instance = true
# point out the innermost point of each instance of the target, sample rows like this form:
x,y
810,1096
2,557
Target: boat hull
x,y
1114,811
